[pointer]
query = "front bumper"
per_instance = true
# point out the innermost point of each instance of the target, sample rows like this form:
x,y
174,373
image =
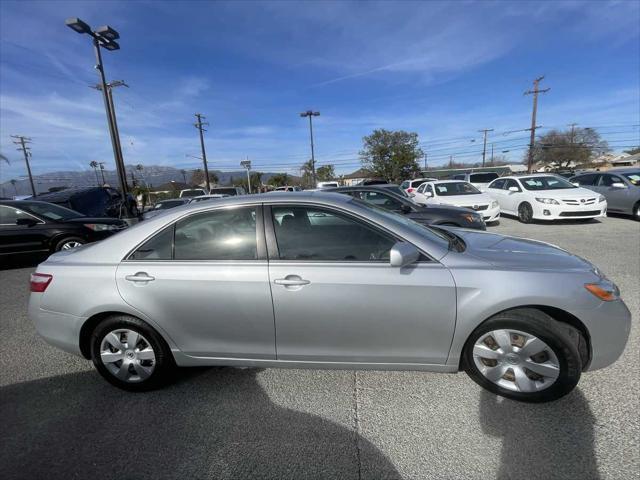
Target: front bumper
x,y
609,325
543,211
491,215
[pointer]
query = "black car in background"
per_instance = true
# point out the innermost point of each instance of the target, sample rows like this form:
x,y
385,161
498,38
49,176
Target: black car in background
x,y
40,228
386,198
90,201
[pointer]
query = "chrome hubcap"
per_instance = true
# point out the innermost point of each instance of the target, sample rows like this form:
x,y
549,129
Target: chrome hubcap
x,y
127,355
70,245
516,360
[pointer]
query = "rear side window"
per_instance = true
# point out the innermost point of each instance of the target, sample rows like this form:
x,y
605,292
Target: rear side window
x,y
158,247
499,184
228,234
589,179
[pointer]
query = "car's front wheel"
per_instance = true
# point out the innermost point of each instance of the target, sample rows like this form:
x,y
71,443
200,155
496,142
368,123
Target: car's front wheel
x,y
130,354
525,213
523,355
69,243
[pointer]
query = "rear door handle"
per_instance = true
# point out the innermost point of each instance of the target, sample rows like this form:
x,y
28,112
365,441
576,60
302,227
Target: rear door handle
x,y
140,277
291,281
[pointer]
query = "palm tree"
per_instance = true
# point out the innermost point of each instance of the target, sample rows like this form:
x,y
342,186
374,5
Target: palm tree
x,y
13,182
184,175
93,164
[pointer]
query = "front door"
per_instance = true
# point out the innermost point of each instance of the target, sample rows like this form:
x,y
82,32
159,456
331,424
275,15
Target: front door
x,y
24,238
204,281
337,299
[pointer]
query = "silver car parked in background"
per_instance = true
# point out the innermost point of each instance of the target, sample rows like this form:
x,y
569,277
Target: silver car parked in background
x,y
620,186
323,280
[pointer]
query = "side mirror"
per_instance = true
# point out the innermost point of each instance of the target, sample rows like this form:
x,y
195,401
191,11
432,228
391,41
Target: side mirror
x,y
403,254
428,194
514,189
618,185
27,222
575,184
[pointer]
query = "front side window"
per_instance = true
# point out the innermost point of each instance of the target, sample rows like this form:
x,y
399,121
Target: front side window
x,y
609,180
422,187
309,233
228,234
381,200
633,177
511,183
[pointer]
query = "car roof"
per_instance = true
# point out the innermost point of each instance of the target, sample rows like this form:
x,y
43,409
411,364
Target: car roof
x,y
622,170
448,181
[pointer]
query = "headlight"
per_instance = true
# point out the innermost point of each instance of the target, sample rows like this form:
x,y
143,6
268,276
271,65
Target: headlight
x,y
471,218
548,201
605,290
494,204
601,199
102,227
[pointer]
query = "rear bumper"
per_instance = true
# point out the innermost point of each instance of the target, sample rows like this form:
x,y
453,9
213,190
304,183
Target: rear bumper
x,y
58,329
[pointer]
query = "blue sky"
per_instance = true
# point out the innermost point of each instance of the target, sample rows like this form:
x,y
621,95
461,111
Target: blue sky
x,y
442,69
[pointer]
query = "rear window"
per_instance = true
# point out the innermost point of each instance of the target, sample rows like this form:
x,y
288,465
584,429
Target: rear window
x,y
417,183
225,191
482,177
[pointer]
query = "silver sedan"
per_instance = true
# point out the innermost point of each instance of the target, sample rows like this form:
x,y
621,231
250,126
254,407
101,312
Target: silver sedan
x,y
323,280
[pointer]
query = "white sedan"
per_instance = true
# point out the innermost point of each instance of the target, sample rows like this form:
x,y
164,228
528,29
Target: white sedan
x,y
546,197
458,194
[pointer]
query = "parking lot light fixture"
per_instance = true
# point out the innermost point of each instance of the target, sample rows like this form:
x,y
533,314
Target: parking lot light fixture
x,y
311,114
107,32
78,25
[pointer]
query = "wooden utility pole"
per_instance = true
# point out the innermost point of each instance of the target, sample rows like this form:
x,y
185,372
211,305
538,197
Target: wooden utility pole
x,y
534,113
200,126
484,148
22,141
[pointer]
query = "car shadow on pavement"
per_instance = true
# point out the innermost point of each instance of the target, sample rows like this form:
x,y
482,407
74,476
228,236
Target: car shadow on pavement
x,y
213,423
18,261
547,441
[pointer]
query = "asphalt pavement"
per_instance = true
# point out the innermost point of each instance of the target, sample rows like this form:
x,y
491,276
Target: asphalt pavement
x,y
60,420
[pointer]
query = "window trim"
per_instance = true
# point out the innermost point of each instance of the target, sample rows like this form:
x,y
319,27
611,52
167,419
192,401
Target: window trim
x,y
272,243
260,238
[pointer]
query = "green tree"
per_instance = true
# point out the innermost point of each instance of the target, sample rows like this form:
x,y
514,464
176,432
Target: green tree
x,y
279,180
197,177
559,148
306,172
392,155
325,173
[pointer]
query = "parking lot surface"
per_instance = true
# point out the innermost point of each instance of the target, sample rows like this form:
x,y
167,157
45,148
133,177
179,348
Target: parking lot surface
x,y
59,419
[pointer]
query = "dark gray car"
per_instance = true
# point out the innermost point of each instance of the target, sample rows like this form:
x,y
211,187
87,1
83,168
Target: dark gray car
x,y
386,198
621,188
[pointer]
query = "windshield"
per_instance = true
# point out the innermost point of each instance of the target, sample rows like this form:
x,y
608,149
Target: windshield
x,y
50,211
482,177
228,191
168,204
455,188
546,183
633,177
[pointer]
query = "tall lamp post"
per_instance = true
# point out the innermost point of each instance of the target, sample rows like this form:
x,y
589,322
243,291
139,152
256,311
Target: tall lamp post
x,y
311,114
106,37
247,165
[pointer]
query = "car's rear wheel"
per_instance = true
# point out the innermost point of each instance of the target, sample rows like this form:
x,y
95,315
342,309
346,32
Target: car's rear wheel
x,y
523,355
636,212
130,354
525,213
69,242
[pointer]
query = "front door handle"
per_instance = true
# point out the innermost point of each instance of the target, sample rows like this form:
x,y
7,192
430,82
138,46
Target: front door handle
x,y
140,277
291,281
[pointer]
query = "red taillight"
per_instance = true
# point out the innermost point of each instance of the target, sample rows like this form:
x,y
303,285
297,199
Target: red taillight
x,y
409,190
39,282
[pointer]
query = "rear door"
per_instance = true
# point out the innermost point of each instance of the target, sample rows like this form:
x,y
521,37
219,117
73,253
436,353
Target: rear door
x,y
337,299
204,280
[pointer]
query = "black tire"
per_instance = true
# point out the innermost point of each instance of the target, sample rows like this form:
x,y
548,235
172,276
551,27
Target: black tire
x,y
61,243
564,340
525,213
164,365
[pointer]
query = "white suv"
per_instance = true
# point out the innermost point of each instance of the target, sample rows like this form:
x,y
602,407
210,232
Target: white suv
x,y
545,197
410,186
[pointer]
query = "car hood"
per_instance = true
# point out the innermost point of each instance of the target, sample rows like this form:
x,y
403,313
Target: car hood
x,y
520,253
102,220
440,209
578,193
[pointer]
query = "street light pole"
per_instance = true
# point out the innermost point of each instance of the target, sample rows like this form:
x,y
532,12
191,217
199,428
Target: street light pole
x,y
102,172
200,126
247,164
310,114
